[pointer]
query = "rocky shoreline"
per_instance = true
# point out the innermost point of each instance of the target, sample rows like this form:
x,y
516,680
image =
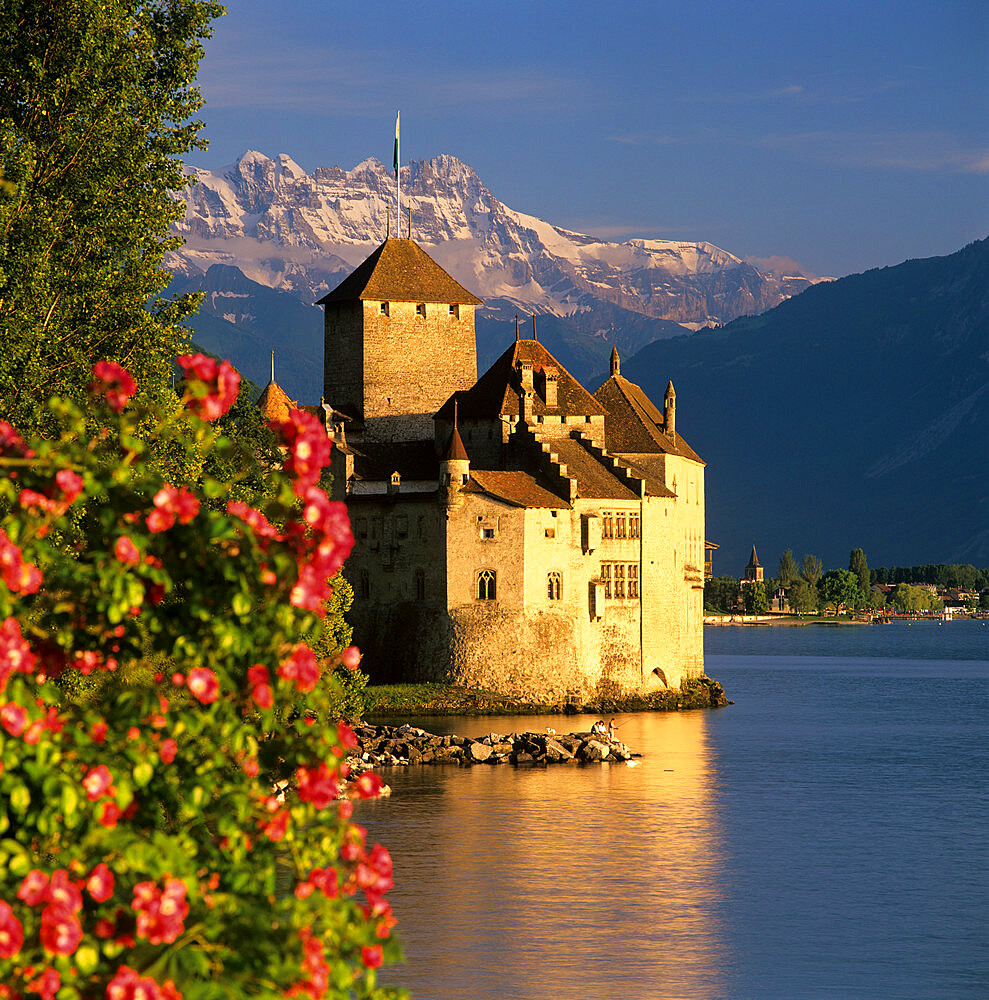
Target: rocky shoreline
x,y
408,745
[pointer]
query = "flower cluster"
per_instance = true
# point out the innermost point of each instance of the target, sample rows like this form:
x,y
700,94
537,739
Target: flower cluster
x,y
200,744
211,388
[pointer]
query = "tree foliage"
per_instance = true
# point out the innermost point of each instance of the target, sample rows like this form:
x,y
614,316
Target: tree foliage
x,y
97,105
811,569
802,597
721,594
838,588
904,597
788,571
754,599
184,839
858,565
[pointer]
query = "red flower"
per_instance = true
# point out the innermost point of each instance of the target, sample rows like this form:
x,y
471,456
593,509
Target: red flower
x,y
369,785
98,732
12,444
127,984
317,785
309,448
171,503
204,685
15,654
212,387
100,883
372,956
346,736
109,815
47,984
126,551
20,577
11,932
168,750
351,657
61,931
97,783
300,667
114,383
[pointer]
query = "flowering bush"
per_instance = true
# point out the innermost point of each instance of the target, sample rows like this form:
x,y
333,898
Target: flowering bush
x,y
187,835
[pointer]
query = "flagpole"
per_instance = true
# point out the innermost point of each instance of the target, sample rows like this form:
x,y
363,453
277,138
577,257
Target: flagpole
x,y
398,181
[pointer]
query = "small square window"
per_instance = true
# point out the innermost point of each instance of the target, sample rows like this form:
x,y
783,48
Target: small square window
x,y
487,533
384,309
421,310
455,311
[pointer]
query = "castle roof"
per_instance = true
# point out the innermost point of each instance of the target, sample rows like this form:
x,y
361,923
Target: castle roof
x,y
274,402
753,560
400,271
594,480
635,425
517,488
455,450
496,392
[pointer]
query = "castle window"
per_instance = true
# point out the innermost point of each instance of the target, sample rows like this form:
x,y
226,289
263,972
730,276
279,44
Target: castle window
x,y
633,526
633,580
606,578
607,524
550,532
620,530
402,526
487,585
619,580
384,309
420,585
362,527
365,585
487,534
421,310
554,585
455,311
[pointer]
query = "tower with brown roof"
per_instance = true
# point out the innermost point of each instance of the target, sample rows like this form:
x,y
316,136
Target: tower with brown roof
x,y
398,340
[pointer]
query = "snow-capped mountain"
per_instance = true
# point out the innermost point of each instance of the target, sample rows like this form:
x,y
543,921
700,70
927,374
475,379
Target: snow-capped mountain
x,y
301,233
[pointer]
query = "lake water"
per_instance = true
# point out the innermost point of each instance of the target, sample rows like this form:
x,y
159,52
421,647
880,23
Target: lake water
x,y
827,836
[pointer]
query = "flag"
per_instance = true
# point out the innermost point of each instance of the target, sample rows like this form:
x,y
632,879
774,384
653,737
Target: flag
x,y
397,116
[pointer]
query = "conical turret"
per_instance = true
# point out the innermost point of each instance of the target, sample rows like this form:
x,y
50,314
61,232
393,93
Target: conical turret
x,y
454,467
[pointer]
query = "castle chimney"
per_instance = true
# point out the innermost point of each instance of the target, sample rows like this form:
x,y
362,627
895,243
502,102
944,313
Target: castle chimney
x,y
616,365
670,411
549,376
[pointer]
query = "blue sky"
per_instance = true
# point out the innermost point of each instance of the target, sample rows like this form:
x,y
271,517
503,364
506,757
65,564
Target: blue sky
x,y
841,135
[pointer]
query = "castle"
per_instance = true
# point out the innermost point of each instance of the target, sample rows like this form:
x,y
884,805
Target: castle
x,y
512,532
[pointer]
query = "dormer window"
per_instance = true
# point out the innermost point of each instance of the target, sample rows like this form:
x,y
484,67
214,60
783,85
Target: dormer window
x,y
421,310
384,309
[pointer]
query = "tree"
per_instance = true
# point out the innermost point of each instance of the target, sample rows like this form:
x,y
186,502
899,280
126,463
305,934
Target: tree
x,y
802,597
721,594
837,588
97,99
788,571
754,599
186,838
857,564
811,569
905,597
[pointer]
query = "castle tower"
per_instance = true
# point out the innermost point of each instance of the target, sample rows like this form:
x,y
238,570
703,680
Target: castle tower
x,y
454,467
398,340
670,411
616,365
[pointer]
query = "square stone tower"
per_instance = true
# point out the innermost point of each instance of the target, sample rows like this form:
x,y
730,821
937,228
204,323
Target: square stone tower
x,y
398,340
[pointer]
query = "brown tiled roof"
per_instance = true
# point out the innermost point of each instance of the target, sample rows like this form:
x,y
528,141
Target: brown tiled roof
x,y
517,488
634,424
274,403
455,450
400,271
594,480
496,392
650,468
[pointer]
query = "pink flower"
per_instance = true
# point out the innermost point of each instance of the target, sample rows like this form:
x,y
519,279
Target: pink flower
x,y
112,382
47,984
171,504
61,931
34,888
12,444
97,782
127,984
11,932
212,387
204,685
15,654
351,657
160,912
300,667
126,551
309,448
20,577
100,883
13,718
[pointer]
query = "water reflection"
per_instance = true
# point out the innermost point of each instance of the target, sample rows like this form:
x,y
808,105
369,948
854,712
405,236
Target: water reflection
x,y
535,883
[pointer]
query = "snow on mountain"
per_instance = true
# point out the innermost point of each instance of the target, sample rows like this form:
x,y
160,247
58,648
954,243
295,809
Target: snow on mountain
x,y
301,233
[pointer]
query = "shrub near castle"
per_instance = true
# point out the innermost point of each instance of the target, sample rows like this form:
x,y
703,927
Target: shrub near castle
x,y
140,836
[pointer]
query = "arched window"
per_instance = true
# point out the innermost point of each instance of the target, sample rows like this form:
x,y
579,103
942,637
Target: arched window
x,y
554,585
487,585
